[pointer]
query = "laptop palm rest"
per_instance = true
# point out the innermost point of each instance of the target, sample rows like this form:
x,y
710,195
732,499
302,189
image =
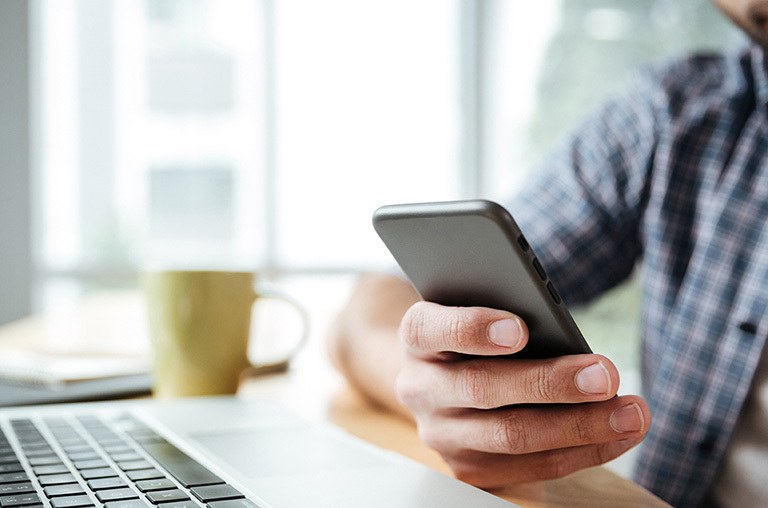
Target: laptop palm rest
x,y
261,452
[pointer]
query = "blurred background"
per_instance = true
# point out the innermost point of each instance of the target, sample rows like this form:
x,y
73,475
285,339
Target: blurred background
x,y
262,134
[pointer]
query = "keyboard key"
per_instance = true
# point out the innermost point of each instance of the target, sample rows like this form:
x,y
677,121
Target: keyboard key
x,y
39,452
159,484
72,441
144,474
116,494
90,464
83,455
132,465
68,489
184,468
27,499
116,441
52,469
11,468
77,446
233,503
166,496
106,483
102,472
55,479
181,504
117,448
13,477
215,492
130,503
45,460
16,488
71,501
32,447
125,456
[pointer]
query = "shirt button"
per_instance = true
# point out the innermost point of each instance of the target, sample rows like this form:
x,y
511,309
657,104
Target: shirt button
x,y
748,327
707,444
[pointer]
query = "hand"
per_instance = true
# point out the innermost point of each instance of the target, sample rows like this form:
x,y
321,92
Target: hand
x,y
498,420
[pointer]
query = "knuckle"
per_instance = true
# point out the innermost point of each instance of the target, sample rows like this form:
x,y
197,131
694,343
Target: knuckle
x,y
430,435
457,332
411,329
407,393
468,472
582,427
473,468
475,386
543,385
430,439
556,465
561,463
461,329
426,328
410,392
510,435
601,454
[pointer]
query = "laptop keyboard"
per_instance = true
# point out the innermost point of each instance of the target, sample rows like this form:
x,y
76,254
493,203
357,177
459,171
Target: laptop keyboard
x,y
74,462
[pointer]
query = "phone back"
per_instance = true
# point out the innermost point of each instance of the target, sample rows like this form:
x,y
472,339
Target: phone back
x,y
471,253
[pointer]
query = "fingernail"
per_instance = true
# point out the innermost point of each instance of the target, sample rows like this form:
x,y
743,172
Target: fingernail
x,y
505,332
628,419
594,380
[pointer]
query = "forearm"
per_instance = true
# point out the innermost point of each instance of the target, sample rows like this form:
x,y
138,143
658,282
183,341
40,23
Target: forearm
x,y
363,341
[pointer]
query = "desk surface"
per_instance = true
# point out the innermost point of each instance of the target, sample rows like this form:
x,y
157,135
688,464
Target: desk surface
x,y
312,389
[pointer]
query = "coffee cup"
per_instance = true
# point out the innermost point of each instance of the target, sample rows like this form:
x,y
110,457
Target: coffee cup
x,y
200,324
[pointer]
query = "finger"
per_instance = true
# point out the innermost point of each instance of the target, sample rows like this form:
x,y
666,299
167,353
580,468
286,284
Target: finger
x,y
488,383
494,470
428,329
522,430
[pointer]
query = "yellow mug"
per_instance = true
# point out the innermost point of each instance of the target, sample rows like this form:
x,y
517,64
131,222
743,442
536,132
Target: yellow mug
x,y
200,329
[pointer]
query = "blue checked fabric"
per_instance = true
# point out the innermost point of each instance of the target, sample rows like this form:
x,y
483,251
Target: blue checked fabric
x,y
672,174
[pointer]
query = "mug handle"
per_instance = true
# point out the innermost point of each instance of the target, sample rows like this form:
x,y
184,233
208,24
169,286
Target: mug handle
x,y
278,366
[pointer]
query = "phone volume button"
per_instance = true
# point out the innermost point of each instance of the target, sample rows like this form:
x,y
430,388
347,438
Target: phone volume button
x,y
539,269
523,243
553,293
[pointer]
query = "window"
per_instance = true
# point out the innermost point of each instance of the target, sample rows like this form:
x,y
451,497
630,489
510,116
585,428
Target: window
x,y
246,133
263,134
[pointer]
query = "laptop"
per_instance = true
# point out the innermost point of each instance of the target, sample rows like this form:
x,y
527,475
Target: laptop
x,y
213,452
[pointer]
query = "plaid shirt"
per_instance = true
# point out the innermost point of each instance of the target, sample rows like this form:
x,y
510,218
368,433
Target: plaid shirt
x,y
673,173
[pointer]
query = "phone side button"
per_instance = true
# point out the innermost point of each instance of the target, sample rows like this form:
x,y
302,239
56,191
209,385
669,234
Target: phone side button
x,y
553,293
523,243
539,269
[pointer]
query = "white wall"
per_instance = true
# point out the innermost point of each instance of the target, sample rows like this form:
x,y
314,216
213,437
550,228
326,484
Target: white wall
x,y
15,175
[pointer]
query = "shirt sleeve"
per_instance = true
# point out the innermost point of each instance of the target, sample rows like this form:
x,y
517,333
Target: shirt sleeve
x,y
581,209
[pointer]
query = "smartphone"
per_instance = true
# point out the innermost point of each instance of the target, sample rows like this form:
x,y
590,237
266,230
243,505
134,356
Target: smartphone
x,y
472,253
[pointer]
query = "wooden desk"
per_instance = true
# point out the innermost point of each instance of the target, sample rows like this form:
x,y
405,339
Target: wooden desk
x,y
311,388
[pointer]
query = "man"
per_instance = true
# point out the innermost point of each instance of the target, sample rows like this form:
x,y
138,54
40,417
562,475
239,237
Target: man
x,y
673,173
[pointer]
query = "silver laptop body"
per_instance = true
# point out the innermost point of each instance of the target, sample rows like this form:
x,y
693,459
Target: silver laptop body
x,y
251,453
